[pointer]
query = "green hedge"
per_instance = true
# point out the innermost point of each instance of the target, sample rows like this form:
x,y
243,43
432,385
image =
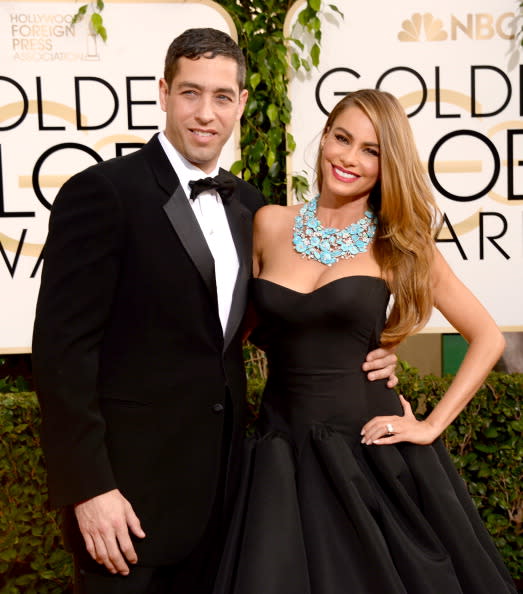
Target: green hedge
x,y
32,559
486,443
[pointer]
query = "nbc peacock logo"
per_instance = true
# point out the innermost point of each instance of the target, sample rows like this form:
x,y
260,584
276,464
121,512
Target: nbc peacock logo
x,y
413,28
474,26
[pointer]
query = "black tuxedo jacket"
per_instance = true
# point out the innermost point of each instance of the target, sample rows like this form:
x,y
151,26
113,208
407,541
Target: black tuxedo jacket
x,y
133,371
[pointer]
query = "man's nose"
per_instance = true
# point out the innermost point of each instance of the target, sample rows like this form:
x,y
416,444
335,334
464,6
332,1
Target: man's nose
x,y
205,111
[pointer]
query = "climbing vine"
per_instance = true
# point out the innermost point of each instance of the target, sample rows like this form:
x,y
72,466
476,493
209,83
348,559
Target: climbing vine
x,y
264,140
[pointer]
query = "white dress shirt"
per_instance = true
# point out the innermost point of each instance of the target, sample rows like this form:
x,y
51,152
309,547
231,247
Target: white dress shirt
x,y
210,214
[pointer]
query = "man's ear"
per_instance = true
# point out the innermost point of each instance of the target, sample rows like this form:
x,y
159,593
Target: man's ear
x,y
242,102
163,91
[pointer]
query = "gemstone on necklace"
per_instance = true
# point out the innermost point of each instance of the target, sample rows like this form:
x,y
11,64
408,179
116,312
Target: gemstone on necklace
x,y
329,245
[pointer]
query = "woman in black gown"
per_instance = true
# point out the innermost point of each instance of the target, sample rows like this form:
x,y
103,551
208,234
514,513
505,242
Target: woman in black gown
x,y
344,490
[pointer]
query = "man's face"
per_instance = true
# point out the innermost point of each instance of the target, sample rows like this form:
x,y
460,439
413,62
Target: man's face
x,y
202,106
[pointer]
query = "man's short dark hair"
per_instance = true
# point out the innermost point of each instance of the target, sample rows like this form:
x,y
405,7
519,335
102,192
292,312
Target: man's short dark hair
x,y
206,42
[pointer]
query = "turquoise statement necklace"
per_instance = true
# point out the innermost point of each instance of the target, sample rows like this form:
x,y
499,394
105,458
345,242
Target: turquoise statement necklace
x,y
328,245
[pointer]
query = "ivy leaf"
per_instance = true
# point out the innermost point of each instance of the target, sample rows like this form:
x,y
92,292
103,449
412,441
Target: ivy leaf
x,y
295,61
252,106
315,24
96,21
298,43
303,18
254,80
334,8
315,54
100,5
79,15
275,135
236,167
274,171
272,113
314,4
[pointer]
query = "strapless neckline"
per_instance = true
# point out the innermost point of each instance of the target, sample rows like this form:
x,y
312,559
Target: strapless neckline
x,y
333,282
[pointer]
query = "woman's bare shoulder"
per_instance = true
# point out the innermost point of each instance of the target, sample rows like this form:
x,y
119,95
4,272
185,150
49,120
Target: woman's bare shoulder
x,y
273,217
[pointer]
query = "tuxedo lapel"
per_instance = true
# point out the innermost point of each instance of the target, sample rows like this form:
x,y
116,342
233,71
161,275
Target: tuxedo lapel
x,y
240,223
186,225
181,215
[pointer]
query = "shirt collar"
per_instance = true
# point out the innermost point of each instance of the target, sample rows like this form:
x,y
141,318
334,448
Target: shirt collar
x,y
185,171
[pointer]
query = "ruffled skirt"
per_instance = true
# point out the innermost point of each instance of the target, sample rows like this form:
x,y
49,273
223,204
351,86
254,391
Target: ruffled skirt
x,y
341,517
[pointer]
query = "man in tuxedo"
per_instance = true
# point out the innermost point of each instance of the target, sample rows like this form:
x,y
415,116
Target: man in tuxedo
x,y
137,348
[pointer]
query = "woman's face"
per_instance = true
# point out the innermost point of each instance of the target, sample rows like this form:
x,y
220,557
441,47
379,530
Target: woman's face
x,y
350,159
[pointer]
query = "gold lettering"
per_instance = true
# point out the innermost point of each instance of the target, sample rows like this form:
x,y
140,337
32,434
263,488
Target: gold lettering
x,y
484,26
456,24
511,18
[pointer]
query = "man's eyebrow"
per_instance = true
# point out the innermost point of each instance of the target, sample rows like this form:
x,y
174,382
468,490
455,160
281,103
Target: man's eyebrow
x,y
187,84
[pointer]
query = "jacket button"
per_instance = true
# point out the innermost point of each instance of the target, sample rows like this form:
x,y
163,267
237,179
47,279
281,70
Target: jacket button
x,y
217,408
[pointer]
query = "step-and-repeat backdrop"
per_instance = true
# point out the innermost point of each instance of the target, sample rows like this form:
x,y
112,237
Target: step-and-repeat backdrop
x,y
68,100
456,68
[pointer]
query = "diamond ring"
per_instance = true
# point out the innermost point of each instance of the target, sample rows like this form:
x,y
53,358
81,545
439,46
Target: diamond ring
x,y
389,428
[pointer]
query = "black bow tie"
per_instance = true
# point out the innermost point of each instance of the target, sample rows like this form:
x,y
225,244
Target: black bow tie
x,y
223,183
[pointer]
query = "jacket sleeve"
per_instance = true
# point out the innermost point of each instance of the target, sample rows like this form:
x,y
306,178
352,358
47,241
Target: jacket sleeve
x,y
80,272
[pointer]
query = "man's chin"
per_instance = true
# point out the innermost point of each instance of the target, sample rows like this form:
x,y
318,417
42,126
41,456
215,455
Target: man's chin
x,y
202,160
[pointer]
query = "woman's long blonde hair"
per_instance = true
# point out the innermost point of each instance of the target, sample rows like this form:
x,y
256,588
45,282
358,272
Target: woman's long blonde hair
x,y
408,218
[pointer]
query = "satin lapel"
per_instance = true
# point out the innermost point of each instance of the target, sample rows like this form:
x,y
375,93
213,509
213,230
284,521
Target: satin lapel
x,y
186,226
240,223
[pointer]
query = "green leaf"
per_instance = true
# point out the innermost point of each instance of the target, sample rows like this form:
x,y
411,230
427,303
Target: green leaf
x,y
314,24
295,61
96,21
491,432
303,18
334,8
272,113
236,167
487,449
252,106
298,43
79,14
291,143
254,80
314,4
315,54
275,136
100,5
274,171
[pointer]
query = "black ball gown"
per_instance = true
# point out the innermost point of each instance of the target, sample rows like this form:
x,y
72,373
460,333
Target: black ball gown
x,y
321,513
